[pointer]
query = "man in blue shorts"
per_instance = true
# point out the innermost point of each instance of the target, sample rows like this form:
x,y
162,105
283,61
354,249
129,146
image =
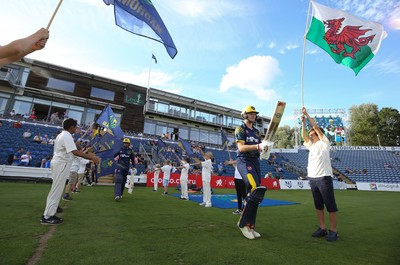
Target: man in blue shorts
x,y
320,176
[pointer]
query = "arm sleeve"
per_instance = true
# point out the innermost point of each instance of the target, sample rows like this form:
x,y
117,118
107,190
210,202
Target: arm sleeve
x,y
239,134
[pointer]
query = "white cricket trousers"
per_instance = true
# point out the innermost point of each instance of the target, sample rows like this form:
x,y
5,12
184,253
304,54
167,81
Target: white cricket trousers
x,y
207,192
60,172
155,179
184,188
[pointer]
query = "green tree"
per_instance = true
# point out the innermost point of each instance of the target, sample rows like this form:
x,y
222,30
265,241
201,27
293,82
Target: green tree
x,y
364,124
389,126
284,137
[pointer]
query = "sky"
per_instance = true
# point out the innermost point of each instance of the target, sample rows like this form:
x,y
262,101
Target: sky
x,y
230,52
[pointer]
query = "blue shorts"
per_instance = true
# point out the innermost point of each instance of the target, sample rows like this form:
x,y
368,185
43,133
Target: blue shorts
x,y
165,182
322,191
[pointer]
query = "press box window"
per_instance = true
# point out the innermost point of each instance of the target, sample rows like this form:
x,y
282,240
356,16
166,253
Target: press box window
x,y
61,85
102,93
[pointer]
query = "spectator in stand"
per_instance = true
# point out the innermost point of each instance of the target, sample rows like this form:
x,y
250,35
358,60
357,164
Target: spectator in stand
x,y
1,123
51,140
45,139
46,162
17,49
54,117
17,125
167,136
17,157
27,134
33,115
221,169
12,113
25,159
26,116
37,138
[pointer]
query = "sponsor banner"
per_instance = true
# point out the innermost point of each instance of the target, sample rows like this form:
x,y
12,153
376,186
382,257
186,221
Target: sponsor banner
x,y
271,184
368,148
375,186
230,182
339,185
217,182
290,184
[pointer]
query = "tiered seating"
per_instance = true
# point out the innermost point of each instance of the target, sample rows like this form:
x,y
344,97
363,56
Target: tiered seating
x,y
357,165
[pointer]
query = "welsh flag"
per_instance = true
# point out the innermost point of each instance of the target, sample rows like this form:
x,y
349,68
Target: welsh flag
x,y
349,40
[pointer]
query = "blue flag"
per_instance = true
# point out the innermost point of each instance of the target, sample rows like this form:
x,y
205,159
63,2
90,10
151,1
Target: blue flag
x,y
160,145
225,140
184,145
107,165
107,120
140,17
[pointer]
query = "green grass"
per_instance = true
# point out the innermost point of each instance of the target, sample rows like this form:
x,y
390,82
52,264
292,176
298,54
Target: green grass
x,y
147,228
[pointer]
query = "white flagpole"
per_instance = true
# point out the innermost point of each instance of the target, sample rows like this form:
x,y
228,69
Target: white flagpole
x,y
54,14
148,80
304,52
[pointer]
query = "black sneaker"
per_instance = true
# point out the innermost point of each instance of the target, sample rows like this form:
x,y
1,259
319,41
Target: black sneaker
x,y
237,211
53,220
67,197
332,236
319,232
59,209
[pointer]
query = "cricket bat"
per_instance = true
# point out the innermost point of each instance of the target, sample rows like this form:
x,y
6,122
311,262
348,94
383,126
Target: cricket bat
x,y
276,119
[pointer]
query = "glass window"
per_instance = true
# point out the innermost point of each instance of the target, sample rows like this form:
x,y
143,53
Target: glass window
x,y
194,134
214,138
162,107
91,115
184,133
149,127
102,93
61,85
22,107
3,103
203,136
77,115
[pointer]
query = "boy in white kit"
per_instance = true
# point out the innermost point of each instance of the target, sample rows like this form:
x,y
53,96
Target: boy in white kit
x,y
157,170
167,174
184,178
64,149
206,177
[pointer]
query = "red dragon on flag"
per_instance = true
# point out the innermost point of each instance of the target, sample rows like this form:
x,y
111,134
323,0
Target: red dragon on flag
x,y
349,36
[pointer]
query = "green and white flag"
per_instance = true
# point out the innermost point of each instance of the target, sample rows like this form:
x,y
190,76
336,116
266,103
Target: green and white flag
x,y
349,40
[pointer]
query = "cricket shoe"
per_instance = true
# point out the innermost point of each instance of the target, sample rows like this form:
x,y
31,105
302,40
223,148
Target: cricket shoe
x,y
246,231
117,198
202,204
53,220
67,197
208,205
256,234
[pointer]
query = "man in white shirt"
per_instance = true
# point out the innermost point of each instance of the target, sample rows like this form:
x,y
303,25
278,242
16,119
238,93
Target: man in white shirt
x,y
27,134
64,149
320,176
206,177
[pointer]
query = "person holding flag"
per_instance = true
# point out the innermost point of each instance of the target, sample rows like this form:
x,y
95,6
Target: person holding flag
x,y
19,48
64,147
125,158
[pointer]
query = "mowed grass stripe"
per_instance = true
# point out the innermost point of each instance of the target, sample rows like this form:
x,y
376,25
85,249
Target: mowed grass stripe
x,y
147,228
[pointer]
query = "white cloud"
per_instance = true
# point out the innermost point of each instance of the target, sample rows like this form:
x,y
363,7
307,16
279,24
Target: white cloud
x,y
254,74
260,45
291,47
272,45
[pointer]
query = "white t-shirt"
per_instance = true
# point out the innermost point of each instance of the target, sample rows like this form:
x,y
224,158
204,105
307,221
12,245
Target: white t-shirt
x,y
82,165
167,171
319,162
75,164
63,146
237,174
206,170
25,158
185,171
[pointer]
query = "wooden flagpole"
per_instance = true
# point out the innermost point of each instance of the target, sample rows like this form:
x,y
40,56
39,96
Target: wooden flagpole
x,y
54,14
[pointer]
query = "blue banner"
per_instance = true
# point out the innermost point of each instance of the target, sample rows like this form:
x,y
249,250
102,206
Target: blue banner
x,y
185,146
161,146
107,165
140,17
107,120
225,140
